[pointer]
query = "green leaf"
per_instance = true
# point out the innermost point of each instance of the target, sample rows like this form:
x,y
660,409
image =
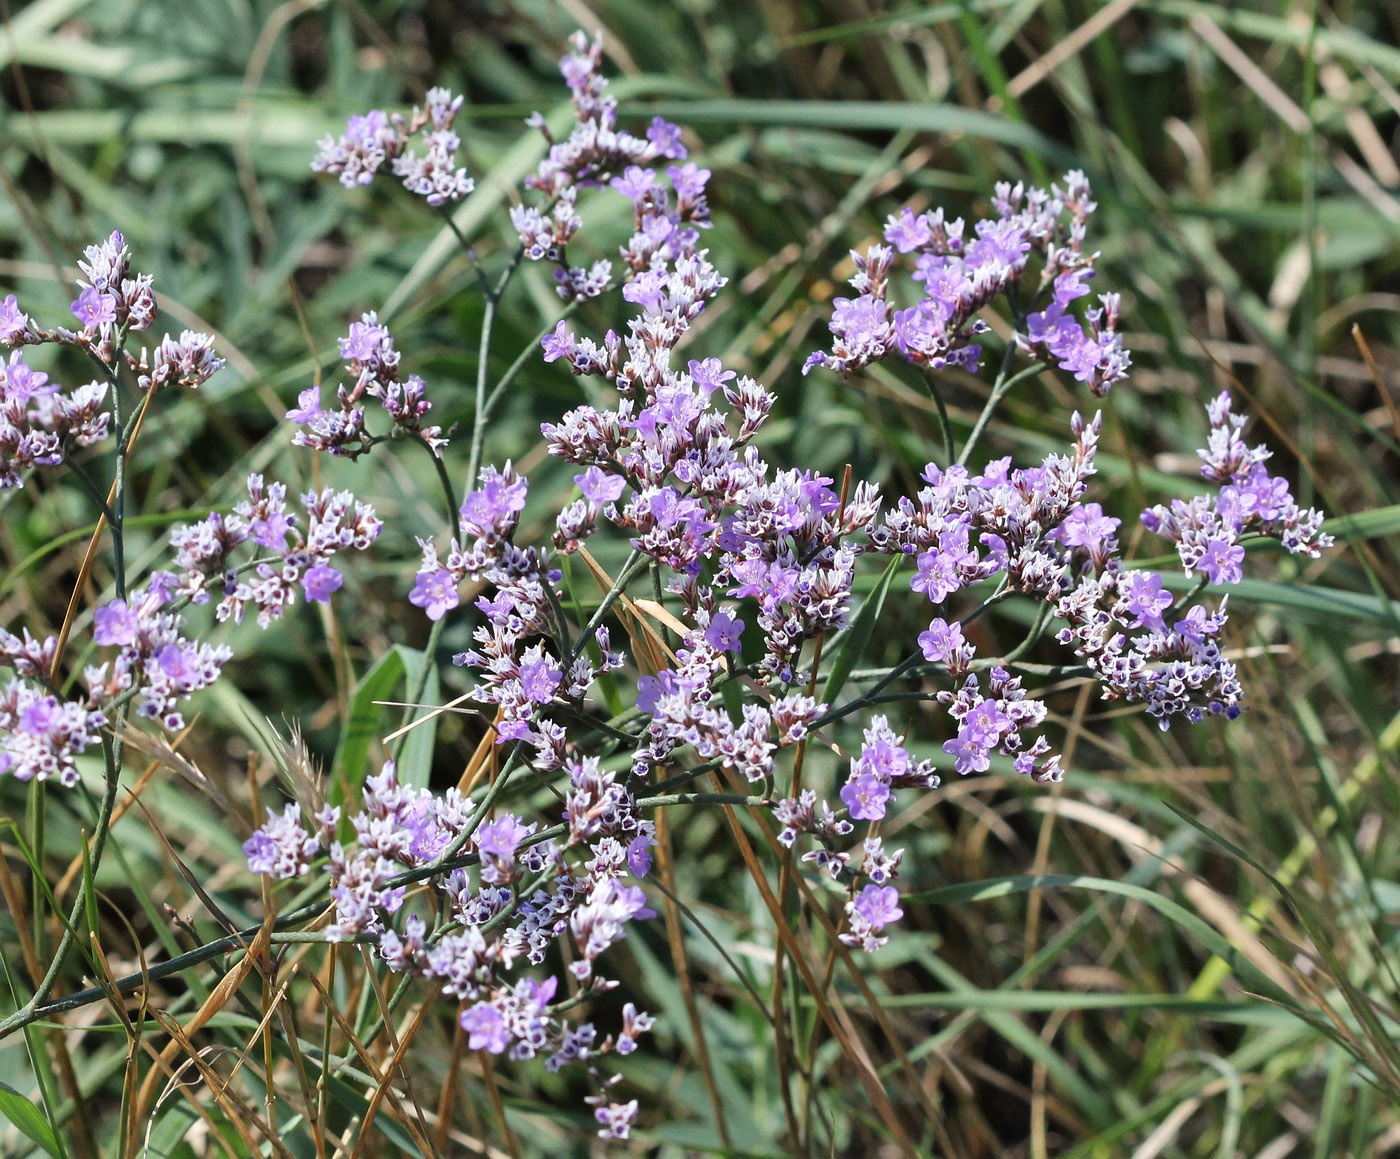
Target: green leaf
x,y
416,761
363,724
1325,603
857,636
25,1115
1205,933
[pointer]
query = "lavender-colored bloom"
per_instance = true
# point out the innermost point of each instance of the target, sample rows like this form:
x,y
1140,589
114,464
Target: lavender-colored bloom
x,y
501,837
866,796
617,1119
724,632
943,643
114,624
558,343
599,487
377,139
320,581
435,592
666,139
282,848
486,1029
1143,598
41,737
494,508
93,308
1221,560
15,324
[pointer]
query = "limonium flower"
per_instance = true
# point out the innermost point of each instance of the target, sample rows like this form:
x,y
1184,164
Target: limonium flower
x,y
376,140
757,565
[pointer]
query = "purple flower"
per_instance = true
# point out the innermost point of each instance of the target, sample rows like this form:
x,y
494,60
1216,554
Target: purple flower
x,y
599,487
558,343
666,139
486,1029
320,581
639,854
115,624
1221,560
14,322
492,509
986,723
271,531
308,408
878,905
93,308
865,795
501,837
1142,597
724,632
435,592
943,642
540,675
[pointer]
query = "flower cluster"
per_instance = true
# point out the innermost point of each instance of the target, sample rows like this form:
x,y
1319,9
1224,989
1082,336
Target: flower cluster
x,y
514,896
960,276
376,139
41,735
372,358
1207,529
597,153
156,659
760,564
39,421
294,561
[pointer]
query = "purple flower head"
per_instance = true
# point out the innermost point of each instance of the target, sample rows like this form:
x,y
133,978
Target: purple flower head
x,y
943,643
878,905
14,322
435,592
866,796
540,675
724,632
599,487
1087,526
558,343
115,624
666,139
1221,561
486,1029
639,854
308,408
493,509
93,308
271,531
320,581
1143,599
501,837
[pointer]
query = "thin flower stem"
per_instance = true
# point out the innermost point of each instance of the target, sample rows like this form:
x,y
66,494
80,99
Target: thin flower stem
x,y
636,563
488,321
415,693
446,213
93,493
520,359
113,510
943,421
999,389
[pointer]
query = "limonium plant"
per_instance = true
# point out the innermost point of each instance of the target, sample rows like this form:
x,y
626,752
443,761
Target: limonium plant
x,y
507,911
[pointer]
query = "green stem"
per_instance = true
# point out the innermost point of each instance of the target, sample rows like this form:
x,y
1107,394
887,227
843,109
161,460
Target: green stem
x,y
944,424
999,389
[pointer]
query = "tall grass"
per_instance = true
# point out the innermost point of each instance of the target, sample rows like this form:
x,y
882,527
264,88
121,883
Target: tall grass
x,y
1186,949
